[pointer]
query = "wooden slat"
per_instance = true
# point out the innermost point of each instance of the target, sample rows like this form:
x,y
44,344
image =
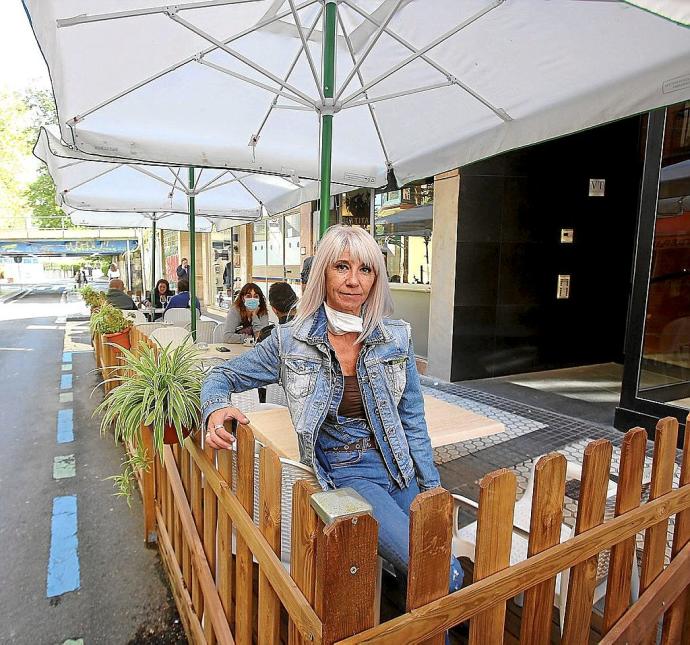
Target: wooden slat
x,y
654,555
147,493
185,470
677,619
177,529
494,540
224,580
642,618
270,480
299,610
243,575
183,601
545,531
210,519
457,607
623,554
590,512
430,537
303,546
196,503
213,606
346,570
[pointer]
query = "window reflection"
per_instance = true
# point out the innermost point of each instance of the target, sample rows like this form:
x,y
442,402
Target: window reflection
x,y
666,351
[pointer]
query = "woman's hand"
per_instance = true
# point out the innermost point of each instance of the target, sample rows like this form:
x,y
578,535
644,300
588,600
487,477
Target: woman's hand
x,y
216,435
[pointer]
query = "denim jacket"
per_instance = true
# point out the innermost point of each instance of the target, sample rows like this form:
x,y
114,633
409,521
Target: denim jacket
x,y
298,356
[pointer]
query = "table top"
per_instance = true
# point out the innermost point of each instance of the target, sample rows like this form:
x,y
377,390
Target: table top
x,y
235,350
447,424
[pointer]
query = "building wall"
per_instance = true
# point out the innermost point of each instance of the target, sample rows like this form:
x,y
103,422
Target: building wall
x,y
512,208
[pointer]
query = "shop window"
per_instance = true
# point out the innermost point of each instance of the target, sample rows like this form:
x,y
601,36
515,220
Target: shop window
x,y
403,230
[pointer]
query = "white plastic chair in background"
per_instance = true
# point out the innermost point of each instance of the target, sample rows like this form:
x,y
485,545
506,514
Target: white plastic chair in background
x,y
218,333
177,316
134,315
147,328
204,330
275,394
171,336
464,539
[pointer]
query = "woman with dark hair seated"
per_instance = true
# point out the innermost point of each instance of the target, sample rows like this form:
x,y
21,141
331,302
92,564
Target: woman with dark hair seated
x,y
247,316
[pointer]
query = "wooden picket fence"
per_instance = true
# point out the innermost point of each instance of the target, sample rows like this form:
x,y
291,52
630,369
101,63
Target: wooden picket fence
x,y
230,584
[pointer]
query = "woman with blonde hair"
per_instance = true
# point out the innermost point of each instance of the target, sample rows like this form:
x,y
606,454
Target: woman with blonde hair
x,y
352,388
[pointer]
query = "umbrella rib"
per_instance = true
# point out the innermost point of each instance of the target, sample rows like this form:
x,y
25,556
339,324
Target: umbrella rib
x,y
132,13
274,103
418,53
225,183
243,59
176,174
348,42
395,95
96,176
152,175
208,183
373,40
252,81
262,23
305,47
248,190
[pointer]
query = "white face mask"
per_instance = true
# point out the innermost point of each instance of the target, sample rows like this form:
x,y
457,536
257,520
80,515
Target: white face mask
x,y
340,323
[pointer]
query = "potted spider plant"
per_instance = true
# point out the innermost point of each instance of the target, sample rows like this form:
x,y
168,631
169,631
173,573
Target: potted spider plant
x,y
160,392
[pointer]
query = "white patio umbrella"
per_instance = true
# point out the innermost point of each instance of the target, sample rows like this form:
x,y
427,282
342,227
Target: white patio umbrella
x,y
421,87
96,183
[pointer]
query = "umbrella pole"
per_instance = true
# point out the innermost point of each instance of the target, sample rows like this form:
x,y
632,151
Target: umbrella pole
x,y
153,263
192,251
330,16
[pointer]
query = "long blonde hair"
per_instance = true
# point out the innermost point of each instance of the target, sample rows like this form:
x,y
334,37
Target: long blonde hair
x,y
362,248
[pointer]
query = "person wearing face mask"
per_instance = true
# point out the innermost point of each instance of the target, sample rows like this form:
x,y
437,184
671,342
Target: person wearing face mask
x,y
351,385
247,316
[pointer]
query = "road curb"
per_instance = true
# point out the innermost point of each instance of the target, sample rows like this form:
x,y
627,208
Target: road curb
x,y
13,296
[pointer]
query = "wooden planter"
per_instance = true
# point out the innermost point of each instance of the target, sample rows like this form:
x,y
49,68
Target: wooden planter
x,y
111,356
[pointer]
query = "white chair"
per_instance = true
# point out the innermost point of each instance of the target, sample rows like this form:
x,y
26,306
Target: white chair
x,y
204,330
464,539
147,328
177,316
171,336
275,394
218,333
135,316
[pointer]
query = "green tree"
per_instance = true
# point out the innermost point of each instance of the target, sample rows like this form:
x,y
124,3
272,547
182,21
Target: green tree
x,y
40,197
15,158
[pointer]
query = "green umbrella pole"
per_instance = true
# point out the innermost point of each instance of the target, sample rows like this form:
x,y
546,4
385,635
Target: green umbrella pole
x,y
330,15
192,251
153,263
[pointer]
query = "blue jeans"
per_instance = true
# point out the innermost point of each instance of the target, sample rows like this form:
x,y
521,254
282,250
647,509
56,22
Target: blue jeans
x,y
365,471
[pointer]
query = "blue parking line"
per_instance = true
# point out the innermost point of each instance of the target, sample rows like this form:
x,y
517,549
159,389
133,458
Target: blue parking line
x,y
66,382
66,357
63,565
65,425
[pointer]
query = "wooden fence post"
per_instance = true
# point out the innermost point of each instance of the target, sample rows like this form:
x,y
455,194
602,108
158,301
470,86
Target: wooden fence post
x,y
430,537
346,563
545,531
270,477
622,554
655,537
590,513
677,620
494,541
305,525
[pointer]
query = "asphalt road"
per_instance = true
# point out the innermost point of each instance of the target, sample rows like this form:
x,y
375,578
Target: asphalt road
x,y
119,590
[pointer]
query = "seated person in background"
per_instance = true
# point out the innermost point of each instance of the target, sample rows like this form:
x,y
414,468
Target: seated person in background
x,y
117,297
181,300
247,316
283,301
161,294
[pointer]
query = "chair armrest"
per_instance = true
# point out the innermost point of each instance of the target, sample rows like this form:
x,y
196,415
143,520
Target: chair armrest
x,y
458,501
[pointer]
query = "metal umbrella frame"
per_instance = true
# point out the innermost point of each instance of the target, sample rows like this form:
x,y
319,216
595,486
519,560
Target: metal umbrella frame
x,y
475,78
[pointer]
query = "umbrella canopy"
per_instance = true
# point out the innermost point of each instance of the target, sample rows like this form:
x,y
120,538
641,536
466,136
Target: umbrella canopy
x,y
421,86
97,183
165,221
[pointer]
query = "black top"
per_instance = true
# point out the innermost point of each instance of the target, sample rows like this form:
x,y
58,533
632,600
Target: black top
x,y
352,405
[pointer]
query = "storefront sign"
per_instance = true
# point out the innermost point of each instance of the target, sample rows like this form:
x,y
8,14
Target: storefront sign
x,y
597,187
